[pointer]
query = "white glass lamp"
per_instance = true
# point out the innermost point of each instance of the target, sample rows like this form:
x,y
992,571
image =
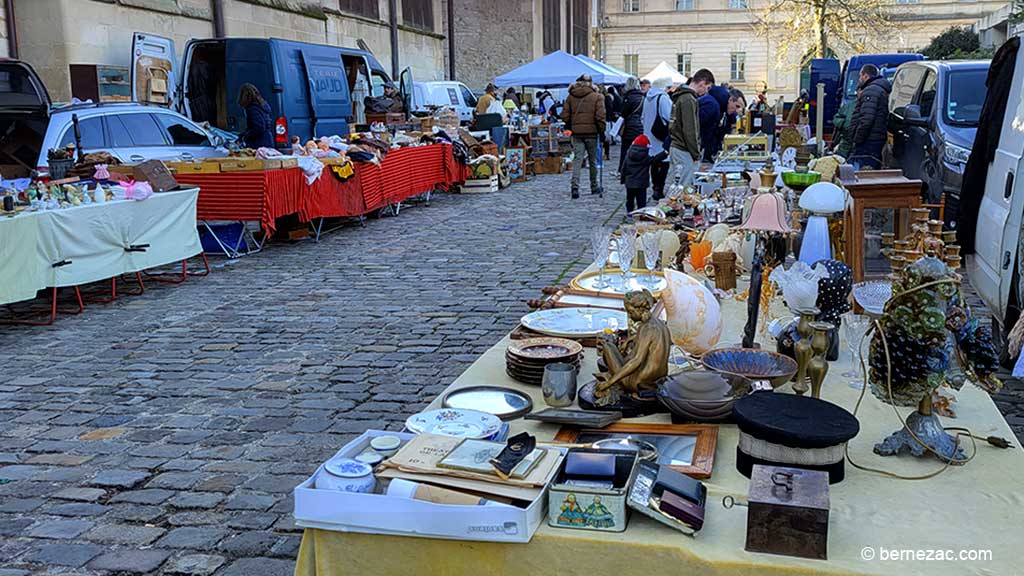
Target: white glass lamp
x,y
821,200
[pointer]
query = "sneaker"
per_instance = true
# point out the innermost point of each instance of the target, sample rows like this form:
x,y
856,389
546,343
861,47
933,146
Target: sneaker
x,y
575,194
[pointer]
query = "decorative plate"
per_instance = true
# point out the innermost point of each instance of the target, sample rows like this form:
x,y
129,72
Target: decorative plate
x,y
456,422
575,322
544,349
640,279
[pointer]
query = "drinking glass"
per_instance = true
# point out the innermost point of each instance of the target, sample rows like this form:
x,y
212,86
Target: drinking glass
x,y
627,251
854,328
651,243
599,245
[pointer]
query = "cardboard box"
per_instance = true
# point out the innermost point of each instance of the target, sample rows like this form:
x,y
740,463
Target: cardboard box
x,y
387,119
194,167
548,165
289,162
156,173
382,514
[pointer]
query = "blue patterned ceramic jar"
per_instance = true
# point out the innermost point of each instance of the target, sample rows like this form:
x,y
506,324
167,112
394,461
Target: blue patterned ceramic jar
x,y
347,475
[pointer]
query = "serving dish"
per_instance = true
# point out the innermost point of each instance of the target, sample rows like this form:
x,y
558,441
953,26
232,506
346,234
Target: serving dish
x,y
756,365
505,403
456,422
640,279
575,322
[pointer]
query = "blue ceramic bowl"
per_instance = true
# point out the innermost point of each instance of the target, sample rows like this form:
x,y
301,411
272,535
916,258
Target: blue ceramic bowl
x,y
751,363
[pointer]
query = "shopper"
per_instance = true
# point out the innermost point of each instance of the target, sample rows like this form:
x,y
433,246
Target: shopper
x,y
636,172
655,118
684,126
611,115
510,94
632,116
259,122
584,114
870,116
713,127
395,104
645,85
842,139
485,101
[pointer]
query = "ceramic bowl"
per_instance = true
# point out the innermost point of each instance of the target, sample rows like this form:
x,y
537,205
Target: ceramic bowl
x,y
752,363
386,446
346,475
800,180
701,395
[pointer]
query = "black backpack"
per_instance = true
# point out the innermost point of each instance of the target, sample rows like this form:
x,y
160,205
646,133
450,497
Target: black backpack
x,y
659,128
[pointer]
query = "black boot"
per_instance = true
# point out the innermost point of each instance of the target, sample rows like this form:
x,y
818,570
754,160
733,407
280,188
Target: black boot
x,y
575,194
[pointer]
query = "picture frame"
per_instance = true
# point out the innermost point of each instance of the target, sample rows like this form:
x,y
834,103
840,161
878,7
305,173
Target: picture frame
x,y
694,458
515,161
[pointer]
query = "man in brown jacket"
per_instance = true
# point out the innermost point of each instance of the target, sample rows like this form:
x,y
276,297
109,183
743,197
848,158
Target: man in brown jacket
x,y
684,127
584,115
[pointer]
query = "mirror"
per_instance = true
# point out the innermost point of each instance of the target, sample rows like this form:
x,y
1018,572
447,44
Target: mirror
x,y
505,403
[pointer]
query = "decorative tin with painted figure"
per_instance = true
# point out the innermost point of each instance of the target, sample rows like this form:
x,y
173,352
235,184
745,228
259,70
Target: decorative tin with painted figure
x,y
590,489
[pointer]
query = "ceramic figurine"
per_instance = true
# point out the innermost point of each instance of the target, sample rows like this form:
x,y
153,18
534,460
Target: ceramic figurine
x,y
641,361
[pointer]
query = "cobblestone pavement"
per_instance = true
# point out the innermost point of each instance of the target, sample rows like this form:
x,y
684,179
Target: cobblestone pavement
x,y
164,433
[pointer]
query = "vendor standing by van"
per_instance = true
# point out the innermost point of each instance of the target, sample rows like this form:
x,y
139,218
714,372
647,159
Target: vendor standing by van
x,y
259,122
489,97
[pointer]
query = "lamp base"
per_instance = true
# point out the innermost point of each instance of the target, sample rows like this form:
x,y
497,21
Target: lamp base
x,y
927,429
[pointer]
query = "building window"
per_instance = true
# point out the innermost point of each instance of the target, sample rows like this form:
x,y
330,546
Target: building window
x,y
418,14
581,27
552,26
737,4
632,63
738,66
368,8
908,1
630,5
684,4
684,63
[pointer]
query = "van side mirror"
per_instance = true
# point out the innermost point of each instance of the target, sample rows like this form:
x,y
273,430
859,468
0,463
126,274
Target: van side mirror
x,y
912,116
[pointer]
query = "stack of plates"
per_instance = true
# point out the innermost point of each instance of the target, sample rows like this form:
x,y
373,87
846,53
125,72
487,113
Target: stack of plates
x,y
526,359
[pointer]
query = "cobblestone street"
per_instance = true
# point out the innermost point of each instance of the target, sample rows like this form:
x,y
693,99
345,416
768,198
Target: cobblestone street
x,y
164,433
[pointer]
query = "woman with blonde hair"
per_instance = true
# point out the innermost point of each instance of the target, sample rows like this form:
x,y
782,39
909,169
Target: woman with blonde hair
x,y
259,122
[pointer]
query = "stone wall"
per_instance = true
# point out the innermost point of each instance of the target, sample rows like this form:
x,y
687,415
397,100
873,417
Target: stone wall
x,y
491,38
3,32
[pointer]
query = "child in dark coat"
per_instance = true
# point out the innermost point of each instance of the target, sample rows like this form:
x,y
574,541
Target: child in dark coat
x,y
636,172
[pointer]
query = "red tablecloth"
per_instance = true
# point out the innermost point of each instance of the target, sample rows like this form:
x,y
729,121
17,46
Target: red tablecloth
x,y
407,172
248,196
329,197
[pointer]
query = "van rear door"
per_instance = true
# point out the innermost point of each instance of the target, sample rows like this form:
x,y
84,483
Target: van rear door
x,y
152,72
329,99
21,90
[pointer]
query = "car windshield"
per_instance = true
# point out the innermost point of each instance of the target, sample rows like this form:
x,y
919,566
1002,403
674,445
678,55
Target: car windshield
x,y
965,96
16,87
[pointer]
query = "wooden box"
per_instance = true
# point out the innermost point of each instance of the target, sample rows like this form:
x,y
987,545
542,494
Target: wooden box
x,y
241,164
481,185
194,167
548,165
788,512
156,173
387,119
289,162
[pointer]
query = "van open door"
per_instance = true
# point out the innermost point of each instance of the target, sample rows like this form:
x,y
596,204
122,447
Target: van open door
x,y
152,72
329,102
405,87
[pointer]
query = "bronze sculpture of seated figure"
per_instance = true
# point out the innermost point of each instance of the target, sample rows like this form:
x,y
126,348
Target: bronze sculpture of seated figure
x,y
641,361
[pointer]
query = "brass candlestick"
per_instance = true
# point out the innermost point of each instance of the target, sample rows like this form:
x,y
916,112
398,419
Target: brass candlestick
x,y
817,367
802,349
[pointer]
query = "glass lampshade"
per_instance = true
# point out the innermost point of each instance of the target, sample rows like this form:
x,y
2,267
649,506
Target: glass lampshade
x,y
823,198
767,214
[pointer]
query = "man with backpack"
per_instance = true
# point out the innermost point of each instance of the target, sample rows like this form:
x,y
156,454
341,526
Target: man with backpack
x,y
685,126
657,110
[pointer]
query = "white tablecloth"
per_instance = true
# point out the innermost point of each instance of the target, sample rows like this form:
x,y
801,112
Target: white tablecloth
x,y
94,240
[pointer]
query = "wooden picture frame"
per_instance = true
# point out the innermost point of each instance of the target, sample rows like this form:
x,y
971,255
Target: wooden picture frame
x,y
702,462
515,161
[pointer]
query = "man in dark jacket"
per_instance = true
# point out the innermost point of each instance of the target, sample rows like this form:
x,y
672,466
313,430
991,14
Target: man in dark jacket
x,y
584,114
684,126
870,116
632,112
717,110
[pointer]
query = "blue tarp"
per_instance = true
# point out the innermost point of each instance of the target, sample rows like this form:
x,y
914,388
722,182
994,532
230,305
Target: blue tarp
x,y
613,71
557,69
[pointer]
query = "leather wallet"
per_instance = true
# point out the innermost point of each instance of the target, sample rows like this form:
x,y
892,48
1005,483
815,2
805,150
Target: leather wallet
x,y
669,480
591,464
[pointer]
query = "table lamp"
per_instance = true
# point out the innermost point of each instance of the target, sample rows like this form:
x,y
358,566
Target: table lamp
x,y
820,200
767,214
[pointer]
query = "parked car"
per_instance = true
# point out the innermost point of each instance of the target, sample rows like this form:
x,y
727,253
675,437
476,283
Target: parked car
x,y
309,87
934,109
131,132
444,93
997,264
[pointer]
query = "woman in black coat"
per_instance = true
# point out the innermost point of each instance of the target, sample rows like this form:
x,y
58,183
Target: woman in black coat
x,y
259,122
632,109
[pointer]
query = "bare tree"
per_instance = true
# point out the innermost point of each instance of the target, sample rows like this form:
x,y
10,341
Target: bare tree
x,y
802,29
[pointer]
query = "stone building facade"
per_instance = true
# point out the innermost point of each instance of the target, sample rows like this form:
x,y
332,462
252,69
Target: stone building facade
x,y
635,35
55,34
3,32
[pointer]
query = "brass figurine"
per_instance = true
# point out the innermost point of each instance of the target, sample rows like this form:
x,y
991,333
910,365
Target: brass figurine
x,y
642,360
802,349
817,367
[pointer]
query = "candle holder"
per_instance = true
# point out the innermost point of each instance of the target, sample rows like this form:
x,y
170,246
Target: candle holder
x,y
817,366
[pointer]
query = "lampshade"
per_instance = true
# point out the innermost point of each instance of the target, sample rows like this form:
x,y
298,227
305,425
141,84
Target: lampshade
x,y
799,284
767,213
823,198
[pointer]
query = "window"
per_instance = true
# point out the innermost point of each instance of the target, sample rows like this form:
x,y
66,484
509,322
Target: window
x,y
684,63
418,14
581,26
468,97
907,1
965,95
142,128
737,4
368,8
927,98
904,85
91,130
631,63
630,5
684,4
738,66
183,133
552,24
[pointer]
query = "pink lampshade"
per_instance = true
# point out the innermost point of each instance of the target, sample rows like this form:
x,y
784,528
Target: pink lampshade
x,y
767,214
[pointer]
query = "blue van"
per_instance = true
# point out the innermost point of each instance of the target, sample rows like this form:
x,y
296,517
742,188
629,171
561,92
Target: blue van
x,y
309,87
886,63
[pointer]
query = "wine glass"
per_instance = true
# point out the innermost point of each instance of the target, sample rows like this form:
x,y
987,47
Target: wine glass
x,y
651,243
627,251
854,328
599,245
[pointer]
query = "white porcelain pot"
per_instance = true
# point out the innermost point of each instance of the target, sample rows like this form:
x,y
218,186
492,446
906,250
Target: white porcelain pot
x,y
346,475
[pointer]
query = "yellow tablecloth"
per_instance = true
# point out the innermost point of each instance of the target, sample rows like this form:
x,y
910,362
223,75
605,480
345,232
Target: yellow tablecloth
x,y
976,507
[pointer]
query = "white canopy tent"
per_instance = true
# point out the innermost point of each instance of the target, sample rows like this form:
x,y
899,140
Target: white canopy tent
x,y
664,75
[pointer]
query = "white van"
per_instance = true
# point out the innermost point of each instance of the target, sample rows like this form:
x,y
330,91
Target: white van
x,y
997,265
444,93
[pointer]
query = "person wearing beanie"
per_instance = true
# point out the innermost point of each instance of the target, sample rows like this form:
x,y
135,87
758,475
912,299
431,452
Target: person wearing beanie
x,y
636,172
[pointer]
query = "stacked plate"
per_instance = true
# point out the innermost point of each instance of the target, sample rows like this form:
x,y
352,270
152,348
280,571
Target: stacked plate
x,y
526,359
